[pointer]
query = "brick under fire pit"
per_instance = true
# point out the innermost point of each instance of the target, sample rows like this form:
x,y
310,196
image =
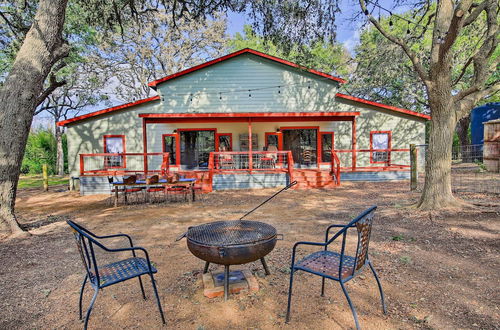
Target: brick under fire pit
x,y
239,280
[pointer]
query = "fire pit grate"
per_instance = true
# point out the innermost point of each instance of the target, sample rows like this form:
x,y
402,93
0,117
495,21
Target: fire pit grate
x,y
226,233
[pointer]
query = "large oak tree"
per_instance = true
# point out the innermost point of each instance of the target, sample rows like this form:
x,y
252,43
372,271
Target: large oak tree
x,y
449,98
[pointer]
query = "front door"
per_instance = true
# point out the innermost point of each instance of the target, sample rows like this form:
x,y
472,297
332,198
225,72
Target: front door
x,y
303,143
196,147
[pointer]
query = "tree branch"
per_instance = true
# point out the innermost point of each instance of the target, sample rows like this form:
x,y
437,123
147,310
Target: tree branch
x,y
469,101
53,85
417,64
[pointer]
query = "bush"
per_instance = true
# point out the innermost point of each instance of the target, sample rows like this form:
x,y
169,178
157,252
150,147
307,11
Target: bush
x,y
40,149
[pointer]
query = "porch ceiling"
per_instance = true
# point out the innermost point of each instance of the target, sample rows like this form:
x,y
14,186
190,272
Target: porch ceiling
x,y
248,116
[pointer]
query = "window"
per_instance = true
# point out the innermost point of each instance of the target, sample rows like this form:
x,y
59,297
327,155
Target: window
x,y
380,140
327,145
225,141
114,144
272,140
170,146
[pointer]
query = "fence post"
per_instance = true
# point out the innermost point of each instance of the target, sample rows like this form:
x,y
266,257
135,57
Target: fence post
x,y
45,176
413,167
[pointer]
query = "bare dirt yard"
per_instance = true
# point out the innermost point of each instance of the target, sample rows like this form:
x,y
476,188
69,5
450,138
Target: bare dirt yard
x,y
439,270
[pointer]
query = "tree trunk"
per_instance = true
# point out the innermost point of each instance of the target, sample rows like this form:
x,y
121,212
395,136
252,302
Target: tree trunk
x,y
463,135
437,188
60,152
41,49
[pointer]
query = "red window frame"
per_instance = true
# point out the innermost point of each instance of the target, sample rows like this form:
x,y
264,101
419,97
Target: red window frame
x,y
280,139
318,141
124,159
389,146
321,144
177,150
217,135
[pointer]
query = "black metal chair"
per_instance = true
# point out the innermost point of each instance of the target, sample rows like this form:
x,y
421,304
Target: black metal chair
x,y
338,266
116,272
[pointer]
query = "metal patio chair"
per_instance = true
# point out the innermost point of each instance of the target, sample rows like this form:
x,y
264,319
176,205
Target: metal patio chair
x,y
110,274
338,266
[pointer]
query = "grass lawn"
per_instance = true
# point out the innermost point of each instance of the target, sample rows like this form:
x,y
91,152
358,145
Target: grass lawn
x,y
36,181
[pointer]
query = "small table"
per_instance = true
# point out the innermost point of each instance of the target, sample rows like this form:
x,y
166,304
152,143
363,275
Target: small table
x,y
188,183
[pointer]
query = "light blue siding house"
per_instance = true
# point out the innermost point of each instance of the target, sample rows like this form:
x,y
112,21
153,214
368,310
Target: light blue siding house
x,y
245,120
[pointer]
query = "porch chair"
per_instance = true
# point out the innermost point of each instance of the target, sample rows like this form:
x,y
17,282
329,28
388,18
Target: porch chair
x,y
110,274
338,266
134,194
179,190
156,194
307,157
269,159
198,187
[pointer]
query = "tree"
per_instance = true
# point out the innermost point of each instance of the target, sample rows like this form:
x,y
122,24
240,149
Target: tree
x,y
324,56
449,97
158,50
44,47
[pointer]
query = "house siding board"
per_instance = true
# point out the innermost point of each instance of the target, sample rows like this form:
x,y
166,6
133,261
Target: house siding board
x,y
240,74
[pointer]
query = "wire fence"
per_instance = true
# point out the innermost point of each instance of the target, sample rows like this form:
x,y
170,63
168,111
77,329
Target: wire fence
x,y
468,173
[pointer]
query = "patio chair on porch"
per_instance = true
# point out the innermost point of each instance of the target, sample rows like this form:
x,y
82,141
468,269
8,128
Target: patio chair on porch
x,y
338,266
110,274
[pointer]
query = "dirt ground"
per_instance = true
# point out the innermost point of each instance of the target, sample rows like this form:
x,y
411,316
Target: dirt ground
x,y
438,270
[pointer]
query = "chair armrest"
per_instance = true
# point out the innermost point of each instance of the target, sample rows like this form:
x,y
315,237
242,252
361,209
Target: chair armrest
x,y
327,233
294,249
133,249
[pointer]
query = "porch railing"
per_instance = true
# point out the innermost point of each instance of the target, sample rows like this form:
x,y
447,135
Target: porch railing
x,y
376,159
335,167
259,161
123,163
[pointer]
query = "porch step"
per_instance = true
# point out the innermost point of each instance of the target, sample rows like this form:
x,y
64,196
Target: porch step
x,y
307,179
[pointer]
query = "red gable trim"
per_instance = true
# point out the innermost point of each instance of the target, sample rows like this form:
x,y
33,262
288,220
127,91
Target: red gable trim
x,y
383,106
100,112
244,51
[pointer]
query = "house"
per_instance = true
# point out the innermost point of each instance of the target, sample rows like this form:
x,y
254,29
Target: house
x,y
245,120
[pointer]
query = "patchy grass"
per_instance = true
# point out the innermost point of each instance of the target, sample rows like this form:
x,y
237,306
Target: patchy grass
x,y
36,181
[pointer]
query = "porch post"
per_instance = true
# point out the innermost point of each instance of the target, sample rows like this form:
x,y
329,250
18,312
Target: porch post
x,y
145,146
353,143
250,158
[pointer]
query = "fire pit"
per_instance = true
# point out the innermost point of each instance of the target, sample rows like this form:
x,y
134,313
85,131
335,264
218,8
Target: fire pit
x,y
233,242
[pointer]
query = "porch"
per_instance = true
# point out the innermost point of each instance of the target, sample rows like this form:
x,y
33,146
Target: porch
x,y
250,150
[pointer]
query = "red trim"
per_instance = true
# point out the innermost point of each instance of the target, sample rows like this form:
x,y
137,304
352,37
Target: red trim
x,y
145,145
354,143
389,144
230,139
246,115
107,136
100,112
272,133
321,145
240,52
383,106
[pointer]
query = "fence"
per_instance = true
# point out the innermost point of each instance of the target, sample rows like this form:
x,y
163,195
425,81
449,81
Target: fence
x,y
468,174
122,163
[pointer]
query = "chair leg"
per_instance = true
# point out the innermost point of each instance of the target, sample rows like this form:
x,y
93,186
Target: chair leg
x,y
81,295
89,310
142,288
322,287
288,309
157,299
354,314
379,287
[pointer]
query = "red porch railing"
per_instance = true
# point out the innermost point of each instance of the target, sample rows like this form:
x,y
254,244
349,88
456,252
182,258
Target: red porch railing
x,y
256,161
335,168
123,163
378,159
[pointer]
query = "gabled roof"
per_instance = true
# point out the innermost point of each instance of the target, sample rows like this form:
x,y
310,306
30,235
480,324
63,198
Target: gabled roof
x,y
382,106
153,84
100,112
